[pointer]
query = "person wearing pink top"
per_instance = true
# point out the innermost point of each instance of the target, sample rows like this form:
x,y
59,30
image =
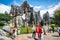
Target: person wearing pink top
x,y
15,32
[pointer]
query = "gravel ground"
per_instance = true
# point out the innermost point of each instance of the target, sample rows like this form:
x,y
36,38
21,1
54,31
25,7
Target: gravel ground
x,y
49,36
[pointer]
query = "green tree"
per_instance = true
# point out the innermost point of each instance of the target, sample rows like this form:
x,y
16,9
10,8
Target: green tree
x,y
57,16
52,20
5,17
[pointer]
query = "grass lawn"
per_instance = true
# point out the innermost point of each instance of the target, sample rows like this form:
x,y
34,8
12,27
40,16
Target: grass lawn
x,y
23,30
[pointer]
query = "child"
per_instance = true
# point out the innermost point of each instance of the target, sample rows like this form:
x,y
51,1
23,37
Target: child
x,y
18,30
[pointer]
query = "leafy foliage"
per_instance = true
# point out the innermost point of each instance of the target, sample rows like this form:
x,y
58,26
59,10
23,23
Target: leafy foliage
x,y
4,17
23,30
52,20
57,16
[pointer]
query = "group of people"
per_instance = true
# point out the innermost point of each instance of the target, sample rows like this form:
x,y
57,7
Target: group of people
x,y
16,31
38,30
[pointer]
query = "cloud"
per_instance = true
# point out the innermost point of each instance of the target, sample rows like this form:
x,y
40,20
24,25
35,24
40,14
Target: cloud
x,y
4,8
50,9
31,5
36,8
42,12
15,3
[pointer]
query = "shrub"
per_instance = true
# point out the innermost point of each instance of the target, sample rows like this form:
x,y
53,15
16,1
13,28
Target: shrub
x,y
1,24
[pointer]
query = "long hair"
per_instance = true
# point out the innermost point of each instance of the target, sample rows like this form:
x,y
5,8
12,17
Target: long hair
x,y
41,23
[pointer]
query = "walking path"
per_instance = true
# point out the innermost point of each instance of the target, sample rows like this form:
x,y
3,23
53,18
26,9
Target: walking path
x,y
49,36
52,36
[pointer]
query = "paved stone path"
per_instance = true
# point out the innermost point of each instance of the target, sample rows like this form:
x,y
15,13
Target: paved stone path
x,y
49,36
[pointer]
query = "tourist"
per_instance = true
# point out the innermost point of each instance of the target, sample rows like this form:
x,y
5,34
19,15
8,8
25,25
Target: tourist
x,y
18,29
34,32
53,29
14,32
42,37
59,31
27,28
39,31
33,29
44,28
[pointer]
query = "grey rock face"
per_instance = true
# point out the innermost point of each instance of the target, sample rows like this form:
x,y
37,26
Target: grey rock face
x,y
4,38
20,22
7,28
3,33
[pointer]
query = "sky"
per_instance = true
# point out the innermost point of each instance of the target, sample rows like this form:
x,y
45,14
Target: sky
x,y
42,5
